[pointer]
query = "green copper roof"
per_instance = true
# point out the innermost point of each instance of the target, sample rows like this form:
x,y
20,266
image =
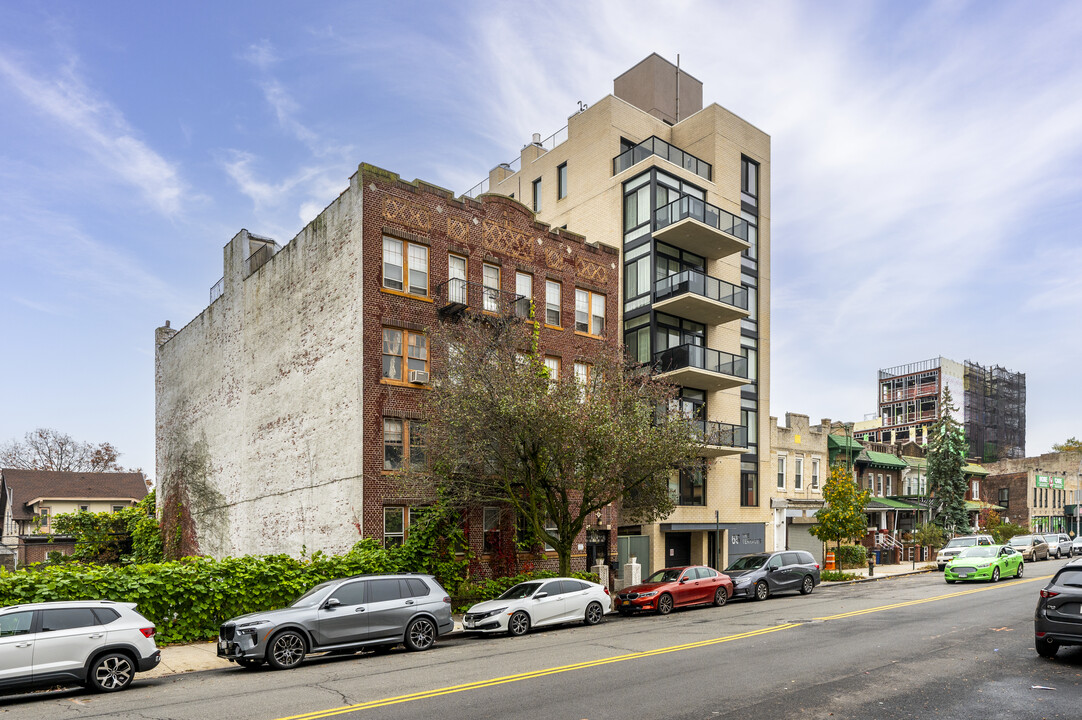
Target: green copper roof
x,y
879,503
885,460
840,442
974,469
975,505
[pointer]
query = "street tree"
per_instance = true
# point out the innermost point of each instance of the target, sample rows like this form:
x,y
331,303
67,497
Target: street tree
x,y
49,449
842,515
947,450
501,430
1071,444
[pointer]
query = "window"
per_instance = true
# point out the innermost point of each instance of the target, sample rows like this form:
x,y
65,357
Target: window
x,y
781,472
491,278
749,486
749,181
561,181
582,373
815,474
589,312
637,339
537,195
976,489
524,285
688,486
490,527
550,528
552,303
351,593
67,619
394,526
16,623
879,485
43,513
383,590
84,508
413,353
403,444
405,266
889,485
798,473
456,276
637,277
552,365
118,508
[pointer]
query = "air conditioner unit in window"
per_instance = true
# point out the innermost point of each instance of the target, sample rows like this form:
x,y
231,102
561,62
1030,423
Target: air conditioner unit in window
x,y
418,376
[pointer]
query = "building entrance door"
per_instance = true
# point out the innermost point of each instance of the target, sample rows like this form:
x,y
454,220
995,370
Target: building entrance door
x,y
597,548
677,549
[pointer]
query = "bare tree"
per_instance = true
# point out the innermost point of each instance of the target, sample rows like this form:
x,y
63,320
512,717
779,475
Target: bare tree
x,y
49,449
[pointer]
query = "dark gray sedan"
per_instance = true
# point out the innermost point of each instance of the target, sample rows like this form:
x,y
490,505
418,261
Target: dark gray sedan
x,y
760,576
343,616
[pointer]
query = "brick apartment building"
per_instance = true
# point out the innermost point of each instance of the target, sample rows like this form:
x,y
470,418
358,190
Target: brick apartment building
x,y
296,394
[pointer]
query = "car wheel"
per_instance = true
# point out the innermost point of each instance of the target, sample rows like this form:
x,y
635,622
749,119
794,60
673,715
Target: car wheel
x,y
1046,648
420,634
111,673
664,604
1018,573
594,613
950,582
762,592
721,596
807,585
286,650
519,624
995,574
249,663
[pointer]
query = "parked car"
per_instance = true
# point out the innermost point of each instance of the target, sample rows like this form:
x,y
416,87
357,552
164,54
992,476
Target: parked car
x,y
676,587
1057,620
1032,547
346,615
1059,545
984,562
955,546
1076,545
537,603
761,575
96,643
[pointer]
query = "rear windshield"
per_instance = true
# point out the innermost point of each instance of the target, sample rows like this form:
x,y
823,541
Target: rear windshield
x,y
1070,578
962,542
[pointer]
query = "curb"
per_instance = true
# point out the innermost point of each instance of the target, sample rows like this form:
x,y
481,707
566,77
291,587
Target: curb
x,y
836,583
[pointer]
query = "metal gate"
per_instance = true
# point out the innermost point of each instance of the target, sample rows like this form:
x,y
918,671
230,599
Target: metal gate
x,y
638,546
798,538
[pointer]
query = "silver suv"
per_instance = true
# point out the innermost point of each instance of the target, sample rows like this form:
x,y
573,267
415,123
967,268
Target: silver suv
x,y
346,615
1059,545
97,643
955,546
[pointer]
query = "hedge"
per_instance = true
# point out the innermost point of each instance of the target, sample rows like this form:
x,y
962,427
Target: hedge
x,y
187,600
851,556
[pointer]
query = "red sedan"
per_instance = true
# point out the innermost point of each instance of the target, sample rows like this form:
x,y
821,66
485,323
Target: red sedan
x,y
676,587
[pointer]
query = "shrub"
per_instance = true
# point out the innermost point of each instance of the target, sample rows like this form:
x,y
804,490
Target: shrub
x,y
851,556
836,575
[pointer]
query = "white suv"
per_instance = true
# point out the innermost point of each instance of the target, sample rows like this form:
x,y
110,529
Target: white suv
x,y
97,643
953,548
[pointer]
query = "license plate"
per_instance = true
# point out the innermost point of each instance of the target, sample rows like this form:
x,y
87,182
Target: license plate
x,y
469,623
223,645
627,602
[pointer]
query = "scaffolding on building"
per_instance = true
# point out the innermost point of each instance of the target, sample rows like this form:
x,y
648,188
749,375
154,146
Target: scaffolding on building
x,y
994,408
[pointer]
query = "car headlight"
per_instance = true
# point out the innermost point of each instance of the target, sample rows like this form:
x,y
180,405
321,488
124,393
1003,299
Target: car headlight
x,y
648,594
252,627
742,580
497,611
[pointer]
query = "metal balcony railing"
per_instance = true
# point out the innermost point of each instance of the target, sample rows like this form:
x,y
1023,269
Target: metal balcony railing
x,y
721,434
697,282
455,296
696,209
217,289
654,145
701,358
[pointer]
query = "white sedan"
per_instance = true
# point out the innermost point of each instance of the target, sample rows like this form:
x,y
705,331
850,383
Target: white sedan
x,y
540,602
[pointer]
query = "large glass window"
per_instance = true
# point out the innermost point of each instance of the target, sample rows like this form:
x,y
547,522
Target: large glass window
x,y
749,485
637,339
673,332
637,277
637,207
552,303
749,181
403,444
688,486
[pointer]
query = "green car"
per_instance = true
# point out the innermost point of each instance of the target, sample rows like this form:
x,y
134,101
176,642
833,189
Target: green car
x,y
984,562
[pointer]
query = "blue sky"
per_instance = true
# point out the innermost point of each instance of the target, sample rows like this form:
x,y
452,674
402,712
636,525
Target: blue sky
x,y
926,170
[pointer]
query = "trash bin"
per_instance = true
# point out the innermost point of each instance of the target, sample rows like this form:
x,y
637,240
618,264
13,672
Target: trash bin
x,y
877,557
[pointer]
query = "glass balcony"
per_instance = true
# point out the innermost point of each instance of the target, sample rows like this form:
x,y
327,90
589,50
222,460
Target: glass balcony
x,y
700,367
699,227
654,145
720,438
694,295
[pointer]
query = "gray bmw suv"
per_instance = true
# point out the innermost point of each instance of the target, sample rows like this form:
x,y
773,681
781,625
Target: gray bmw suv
x,y
345,615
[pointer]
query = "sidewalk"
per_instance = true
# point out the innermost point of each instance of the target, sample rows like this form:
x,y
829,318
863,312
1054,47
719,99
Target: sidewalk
x,y
884,571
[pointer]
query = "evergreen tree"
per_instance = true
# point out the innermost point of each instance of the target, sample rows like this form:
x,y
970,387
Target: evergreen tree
x,y
946,457
843,515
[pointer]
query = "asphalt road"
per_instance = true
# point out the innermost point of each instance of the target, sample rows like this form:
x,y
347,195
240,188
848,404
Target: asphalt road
x,y
911,647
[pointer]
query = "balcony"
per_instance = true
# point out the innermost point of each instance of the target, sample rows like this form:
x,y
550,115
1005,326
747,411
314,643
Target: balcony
x,y
694,295
654,145
699,227
702,368
456,296
720,438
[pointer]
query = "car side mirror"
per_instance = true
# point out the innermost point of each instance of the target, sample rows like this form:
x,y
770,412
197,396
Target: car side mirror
x,y
683,580
540,595
331,603
771,568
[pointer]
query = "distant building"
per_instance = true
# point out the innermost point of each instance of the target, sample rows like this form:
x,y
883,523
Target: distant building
x,y
990,403
1041,492
31,498
799,454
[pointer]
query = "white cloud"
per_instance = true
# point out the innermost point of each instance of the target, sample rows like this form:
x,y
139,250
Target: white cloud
x,y
99,128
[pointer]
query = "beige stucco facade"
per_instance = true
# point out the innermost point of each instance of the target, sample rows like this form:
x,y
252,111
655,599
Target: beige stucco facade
x,y
594,206
799,468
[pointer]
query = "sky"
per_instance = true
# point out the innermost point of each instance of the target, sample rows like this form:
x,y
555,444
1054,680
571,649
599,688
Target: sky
x,y
926,170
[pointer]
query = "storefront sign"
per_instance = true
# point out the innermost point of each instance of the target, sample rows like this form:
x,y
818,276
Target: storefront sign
x,y
1042,481
1057,483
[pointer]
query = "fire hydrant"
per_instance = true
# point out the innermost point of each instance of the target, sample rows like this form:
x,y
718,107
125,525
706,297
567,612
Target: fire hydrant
x,y
871,564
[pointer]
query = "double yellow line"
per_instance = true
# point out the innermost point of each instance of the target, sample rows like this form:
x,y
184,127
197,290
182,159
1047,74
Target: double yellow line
x,y
492,682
